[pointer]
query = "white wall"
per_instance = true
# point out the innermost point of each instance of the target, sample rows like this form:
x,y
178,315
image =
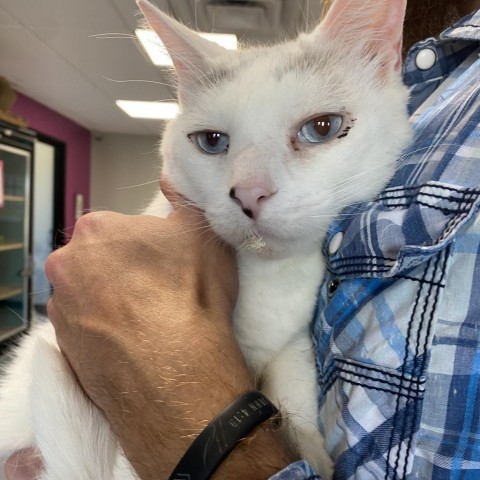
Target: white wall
x,y
43,180
125,171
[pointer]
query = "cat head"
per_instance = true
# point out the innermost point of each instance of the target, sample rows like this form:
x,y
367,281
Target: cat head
x,y
273,142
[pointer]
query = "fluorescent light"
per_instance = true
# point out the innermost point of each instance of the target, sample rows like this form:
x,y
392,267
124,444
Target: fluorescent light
x,y
158,53
151,110
225,40
154,47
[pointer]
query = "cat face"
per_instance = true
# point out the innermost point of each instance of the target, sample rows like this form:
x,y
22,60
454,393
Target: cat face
x,y
273,142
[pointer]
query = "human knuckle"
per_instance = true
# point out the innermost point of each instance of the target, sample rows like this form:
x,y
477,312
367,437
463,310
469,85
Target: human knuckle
x,y
51,308
53,265
90,223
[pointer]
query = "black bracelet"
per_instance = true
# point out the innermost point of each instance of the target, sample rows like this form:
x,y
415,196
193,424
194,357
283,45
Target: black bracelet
x,y
221,435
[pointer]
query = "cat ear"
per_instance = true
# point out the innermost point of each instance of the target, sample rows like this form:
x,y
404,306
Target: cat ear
x,y
190,52
376,25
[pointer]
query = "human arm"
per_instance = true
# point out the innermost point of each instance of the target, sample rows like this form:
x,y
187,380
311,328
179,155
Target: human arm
x,y
148,302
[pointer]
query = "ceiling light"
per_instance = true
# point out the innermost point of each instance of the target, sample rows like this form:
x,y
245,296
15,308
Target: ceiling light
x,y
158,53
225,40
151,110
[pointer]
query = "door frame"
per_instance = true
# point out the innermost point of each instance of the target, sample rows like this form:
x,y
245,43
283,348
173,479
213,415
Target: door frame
x,y
59,173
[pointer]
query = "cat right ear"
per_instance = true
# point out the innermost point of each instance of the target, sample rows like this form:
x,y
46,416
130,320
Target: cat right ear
x,y
190,52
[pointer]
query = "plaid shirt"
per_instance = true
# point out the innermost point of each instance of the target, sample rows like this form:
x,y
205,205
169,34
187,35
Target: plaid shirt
x,y
397,326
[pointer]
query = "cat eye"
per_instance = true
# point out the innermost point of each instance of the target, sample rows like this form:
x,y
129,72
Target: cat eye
x,y
320,129
211,142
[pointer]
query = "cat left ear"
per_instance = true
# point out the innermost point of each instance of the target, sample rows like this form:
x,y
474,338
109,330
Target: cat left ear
x,y
376,25
190,52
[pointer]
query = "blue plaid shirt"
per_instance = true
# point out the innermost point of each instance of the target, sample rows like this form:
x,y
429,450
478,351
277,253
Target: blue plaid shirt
x,y
397,327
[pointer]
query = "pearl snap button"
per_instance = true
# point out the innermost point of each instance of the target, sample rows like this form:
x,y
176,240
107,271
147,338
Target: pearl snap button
x,y
332,287
425,59
335,243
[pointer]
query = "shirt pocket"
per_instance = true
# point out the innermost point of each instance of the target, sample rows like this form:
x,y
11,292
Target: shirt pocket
x,y
400,230
373,339
370,417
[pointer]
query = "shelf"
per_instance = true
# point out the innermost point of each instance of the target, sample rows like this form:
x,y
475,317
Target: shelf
x,y
8,291
10,330
14,198
15,233
10,246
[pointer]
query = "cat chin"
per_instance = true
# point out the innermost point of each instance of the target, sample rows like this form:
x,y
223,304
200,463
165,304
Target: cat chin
x,y
254,242
277,253
262,242
271,248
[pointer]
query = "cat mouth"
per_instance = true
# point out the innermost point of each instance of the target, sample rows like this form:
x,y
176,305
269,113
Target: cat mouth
x,y
254,242
259,240
264,242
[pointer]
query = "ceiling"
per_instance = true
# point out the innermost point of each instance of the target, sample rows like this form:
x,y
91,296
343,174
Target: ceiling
x,y
78,56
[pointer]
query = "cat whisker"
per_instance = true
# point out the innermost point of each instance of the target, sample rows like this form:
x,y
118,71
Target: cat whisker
x,y
169,85
187,205
198,73
303,205
203,229
305,14
15,313
354,178
429,147
193,68
36,292
113,36
330,216
196,17
138,185
215,240
343,198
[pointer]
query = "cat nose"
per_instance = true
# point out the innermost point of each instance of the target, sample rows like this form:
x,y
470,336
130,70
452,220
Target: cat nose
x,y
250,199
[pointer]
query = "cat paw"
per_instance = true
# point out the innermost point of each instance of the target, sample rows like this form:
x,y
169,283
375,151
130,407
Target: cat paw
x,y
312,449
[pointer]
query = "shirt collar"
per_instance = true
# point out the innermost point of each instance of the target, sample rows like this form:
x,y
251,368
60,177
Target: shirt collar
x,y
468,28
448,51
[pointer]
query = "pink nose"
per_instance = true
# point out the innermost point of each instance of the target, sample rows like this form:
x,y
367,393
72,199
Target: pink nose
x,y
250,199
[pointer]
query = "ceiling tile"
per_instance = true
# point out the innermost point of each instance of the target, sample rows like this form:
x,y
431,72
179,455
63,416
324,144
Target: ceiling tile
x,y
49,51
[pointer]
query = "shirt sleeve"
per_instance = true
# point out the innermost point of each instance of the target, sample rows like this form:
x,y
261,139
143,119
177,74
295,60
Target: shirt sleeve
x,y
297,471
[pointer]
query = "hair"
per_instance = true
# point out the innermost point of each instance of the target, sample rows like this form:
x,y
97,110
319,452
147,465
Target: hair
x,y
427,18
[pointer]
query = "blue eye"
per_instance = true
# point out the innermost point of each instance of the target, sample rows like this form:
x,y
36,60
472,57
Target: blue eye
x,y
211,142
320,129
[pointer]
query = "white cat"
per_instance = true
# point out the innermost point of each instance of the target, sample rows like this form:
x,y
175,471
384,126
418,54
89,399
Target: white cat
x,y
271,143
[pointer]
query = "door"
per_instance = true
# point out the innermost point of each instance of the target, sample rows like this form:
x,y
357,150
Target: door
x,y
14,241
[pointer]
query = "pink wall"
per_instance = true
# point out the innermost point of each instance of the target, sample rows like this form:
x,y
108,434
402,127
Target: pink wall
x,y
77,139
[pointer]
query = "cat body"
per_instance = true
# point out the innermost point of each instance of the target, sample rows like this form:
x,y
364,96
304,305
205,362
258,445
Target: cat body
x,y
272,326
271,143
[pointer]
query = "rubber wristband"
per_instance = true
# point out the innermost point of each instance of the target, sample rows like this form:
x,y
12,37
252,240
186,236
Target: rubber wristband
x,y
221,435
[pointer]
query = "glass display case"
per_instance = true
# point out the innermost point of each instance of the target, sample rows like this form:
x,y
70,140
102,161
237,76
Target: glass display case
x,y
15,235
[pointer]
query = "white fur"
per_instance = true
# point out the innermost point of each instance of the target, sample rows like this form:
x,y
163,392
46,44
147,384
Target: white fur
x,y
261,98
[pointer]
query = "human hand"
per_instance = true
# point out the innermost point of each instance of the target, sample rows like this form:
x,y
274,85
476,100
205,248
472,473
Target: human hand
x,y
142,310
